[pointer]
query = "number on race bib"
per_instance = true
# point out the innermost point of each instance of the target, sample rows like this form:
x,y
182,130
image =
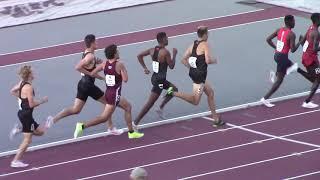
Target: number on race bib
x,y
192,62
305,46
110,80
280,46
280,43
155,66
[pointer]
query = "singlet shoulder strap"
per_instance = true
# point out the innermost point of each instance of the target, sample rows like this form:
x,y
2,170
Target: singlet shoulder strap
x,y
155,55
195,46
84,54
23,83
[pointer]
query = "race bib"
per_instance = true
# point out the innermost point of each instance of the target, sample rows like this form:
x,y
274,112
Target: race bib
x,y
280,46
155,66
160,86
110,80
19,104
305,46
192,62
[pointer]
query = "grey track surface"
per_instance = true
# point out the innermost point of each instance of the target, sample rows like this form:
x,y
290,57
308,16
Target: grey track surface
x,y
113,22
240,76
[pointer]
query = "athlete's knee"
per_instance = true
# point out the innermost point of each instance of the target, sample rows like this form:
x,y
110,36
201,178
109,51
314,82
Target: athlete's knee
x,y
128,107
316,84
27,141
278,81
196,100
75,110
210,92
38,133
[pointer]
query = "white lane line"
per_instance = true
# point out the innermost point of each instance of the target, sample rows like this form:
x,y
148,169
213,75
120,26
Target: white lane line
x,y
303,175
250,164
266,134
140,42
137,31
273,136
167,121
201,154
125,150
158,143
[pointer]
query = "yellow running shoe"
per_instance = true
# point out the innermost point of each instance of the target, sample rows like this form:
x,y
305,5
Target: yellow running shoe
x,y
78,131
135,135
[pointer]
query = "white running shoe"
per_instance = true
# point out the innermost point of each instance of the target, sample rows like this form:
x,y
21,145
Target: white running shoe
x,y
266,103
14,131
310,105
115,131
49,122
272,77
135,127
160,113
292,68
18,164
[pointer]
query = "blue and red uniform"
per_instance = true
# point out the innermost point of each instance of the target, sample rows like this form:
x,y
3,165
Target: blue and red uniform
x,y
310,57
281,55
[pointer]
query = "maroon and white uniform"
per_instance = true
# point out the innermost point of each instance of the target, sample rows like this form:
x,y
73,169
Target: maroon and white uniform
x,y
113,83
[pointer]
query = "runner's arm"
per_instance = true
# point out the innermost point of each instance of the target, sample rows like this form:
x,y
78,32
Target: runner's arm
x,y
32,102
141,60
15,90
208,55
84,62
302,39
315,37
293,46
171,62
186,56
270,37
99,61
123,72
95,72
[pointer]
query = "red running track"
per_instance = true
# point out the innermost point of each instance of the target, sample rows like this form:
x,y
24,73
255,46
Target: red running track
x,y
143,35
193,148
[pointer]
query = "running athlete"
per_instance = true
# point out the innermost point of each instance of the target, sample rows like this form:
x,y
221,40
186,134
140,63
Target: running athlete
x,y
310,58
161,59
25,93
115,72
285,42
197,58
86,86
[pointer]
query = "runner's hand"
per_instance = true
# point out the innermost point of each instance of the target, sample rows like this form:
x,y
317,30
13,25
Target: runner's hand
x,y
301,38
102,78
174,51
44,100
146,71
98,61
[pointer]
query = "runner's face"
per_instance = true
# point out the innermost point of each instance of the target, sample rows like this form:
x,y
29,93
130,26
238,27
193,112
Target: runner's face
x,y
205,37
95,45
31,77
166,42
293,23
318,22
